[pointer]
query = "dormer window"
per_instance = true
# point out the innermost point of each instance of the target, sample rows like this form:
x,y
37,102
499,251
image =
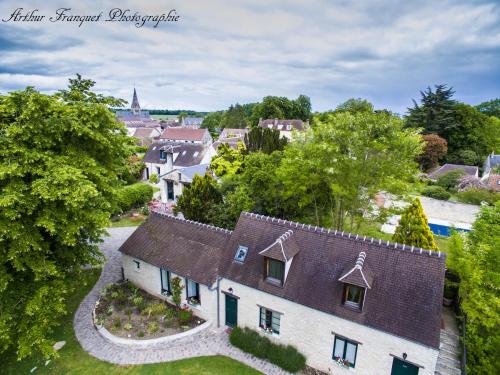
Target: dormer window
x,y
163,155
274,271
353,296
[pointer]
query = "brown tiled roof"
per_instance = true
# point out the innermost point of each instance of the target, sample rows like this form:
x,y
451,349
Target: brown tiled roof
x,y
144,132
184,134
283,249
407,291
233,133
187,154
232,142
184,247
468,169
274,124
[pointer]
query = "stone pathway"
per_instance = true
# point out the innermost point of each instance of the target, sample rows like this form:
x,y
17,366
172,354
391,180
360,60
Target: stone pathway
x,y
448,362
208,342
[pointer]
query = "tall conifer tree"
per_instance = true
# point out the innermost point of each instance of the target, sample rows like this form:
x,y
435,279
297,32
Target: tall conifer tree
x,y
413,228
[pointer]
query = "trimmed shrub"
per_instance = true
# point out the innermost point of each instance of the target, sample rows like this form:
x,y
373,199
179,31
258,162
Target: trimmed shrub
x,y
153,327
131,196
117,322
449,180
436,192
250,341
477,196
185,316
155,309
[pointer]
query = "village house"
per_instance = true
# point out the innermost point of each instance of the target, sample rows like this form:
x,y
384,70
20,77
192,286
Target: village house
x,y
230,136
285,127
345,301
490,178
173,183
186,135
470,170
192,122
146,136
135,118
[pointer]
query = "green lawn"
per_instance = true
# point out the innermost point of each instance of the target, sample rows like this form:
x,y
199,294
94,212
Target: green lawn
x,y
73,360
127,222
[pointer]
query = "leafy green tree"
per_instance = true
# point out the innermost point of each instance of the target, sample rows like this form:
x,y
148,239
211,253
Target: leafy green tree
x,y
490,108
435,149
436,114
265,140
449,180
282,108
475,257
355,105
197,198
212,122
228,160
60,157
474,137
154,179
234,117
343,160
413,228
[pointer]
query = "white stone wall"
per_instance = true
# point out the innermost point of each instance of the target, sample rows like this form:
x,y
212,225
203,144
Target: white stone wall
x,y
148,278
178,186
310,331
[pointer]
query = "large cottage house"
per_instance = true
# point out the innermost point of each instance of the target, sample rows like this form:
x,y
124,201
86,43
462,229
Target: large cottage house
x,y
186,135
285,127
335,296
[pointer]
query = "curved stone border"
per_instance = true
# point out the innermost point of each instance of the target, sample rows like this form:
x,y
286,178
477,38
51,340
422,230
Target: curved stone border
x,y
207,342
148,342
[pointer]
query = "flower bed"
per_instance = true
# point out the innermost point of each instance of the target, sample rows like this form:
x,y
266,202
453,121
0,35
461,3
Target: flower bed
x,y
129,312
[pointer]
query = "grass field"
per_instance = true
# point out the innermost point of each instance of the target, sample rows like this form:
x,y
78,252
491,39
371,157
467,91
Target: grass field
x,y
73,360
164,117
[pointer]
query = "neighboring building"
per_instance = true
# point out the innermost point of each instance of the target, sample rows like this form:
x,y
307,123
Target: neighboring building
x,y
193,122
284,126
136,118
173,183
231,137
145,136
491,162
468,169
493,182
332,295
164,157
186,135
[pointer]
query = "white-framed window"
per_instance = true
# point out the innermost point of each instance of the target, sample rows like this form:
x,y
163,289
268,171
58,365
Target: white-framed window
x,y
193,292
345,350
270,320
165,282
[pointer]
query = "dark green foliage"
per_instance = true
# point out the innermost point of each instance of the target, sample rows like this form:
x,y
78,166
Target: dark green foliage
x,y
60,160
250,341
185,316
449,180
490,108
132,196
176,291
265,140
475,257
212,121
471,135
413,228
133,170
436,113
234,117
355,105
436,192
140,149
197,198
282,108
477,196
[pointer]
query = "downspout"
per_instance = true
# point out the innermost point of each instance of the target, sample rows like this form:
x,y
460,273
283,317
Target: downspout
x,y
217,288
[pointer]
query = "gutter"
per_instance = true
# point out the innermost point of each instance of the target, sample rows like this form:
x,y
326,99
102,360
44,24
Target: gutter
x,y
217,288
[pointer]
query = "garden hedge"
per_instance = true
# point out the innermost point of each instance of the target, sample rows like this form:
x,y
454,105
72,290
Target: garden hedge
x,y
131,196
477,196
436,192
250,341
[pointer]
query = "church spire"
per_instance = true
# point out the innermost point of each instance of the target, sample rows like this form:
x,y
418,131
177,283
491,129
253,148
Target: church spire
x,y
136,108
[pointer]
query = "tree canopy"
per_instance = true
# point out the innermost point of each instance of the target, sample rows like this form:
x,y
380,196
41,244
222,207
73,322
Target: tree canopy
x,y
435,149
265,140
490,108
60,160
475,257
355,105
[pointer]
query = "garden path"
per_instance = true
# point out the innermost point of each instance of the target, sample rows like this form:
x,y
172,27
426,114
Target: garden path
x,y
208,342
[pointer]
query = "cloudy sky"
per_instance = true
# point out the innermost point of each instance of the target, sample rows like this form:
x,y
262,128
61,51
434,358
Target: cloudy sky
x,y
227,51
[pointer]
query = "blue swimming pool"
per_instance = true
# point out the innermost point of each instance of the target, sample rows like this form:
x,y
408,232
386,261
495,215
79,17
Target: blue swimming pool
x,y
443,230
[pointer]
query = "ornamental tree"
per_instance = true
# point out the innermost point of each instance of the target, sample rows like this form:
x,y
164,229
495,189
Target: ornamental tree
x,y
435,149
413,228
60,159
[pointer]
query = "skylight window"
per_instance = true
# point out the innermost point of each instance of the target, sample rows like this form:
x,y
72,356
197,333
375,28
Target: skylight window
x,y
196,154
241,254
184,152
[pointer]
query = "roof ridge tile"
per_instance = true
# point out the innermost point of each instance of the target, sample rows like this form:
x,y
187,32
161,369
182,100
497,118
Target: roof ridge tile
x,y
188,221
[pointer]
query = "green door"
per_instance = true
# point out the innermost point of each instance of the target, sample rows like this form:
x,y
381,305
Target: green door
x,y
231,311
400,367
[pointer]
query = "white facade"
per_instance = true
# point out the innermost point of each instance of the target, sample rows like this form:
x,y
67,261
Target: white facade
x,y
311,331
148,278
